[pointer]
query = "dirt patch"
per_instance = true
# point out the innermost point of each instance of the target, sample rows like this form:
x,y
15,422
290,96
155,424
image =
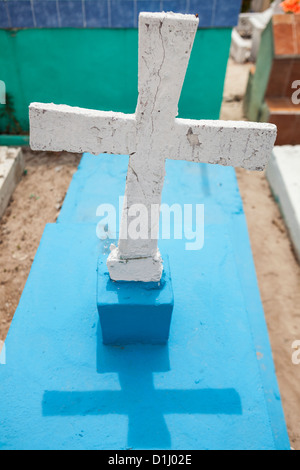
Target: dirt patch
x,y
36,202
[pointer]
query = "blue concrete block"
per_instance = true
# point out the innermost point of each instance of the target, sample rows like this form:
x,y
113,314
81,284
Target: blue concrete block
x,y
134,312
216,188
21,14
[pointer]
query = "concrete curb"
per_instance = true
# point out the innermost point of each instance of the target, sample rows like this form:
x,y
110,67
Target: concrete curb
x,y
11,170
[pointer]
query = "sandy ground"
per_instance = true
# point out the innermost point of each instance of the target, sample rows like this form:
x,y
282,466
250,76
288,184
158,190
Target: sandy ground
x,y
277,269
40,194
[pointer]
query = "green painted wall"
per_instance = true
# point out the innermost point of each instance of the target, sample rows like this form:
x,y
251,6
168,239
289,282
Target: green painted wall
x,y
97,68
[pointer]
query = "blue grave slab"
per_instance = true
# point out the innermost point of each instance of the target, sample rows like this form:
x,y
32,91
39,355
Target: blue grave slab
x,y
213,386
205,11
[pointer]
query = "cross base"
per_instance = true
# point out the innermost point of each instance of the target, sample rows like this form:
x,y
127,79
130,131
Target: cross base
x,y
136,269
135,312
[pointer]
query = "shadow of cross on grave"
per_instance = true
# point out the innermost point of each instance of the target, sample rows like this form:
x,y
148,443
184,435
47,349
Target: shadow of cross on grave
x,y
144,403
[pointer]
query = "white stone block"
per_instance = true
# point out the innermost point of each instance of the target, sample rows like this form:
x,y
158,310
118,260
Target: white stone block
x,y
11,170
240,47
283,174
244,27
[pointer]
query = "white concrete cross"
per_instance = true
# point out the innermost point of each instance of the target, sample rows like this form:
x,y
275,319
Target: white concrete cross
x,y
150,136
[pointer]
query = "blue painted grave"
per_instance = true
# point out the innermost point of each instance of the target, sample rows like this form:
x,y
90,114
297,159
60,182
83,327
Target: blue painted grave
x,y
213,386
134,312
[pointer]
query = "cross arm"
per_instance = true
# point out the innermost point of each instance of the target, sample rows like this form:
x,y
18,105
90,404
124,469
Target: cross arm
x,y
230,143
57,128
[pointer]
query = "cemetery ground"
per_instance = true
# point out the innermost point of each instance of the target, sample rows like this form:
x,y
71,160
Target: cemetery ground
x,y
38,199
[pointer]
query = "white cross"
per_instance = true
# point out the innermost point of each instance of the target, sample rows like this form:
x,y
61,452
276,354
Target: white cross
x,y
150,136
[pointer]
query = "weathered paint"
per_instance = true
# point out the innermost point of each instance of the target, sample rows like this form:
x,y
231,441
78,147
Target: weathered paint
x,y
63,389
111,13
258,81
97,69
